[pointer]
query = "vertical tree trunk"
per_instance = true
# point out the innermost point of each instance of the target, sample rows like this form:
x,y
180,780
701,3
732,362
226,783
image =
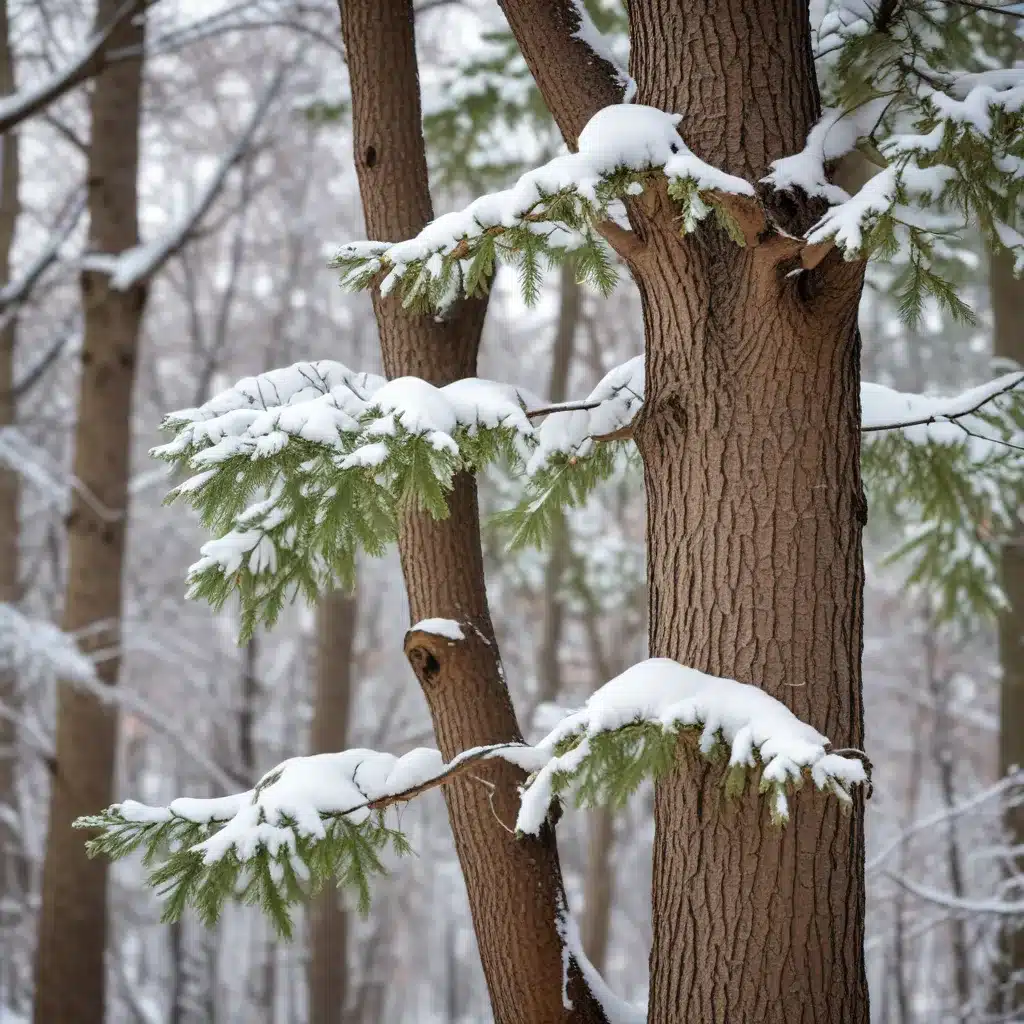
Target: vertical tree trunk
x,y
1008,342
70,970
944,755
552,625
328,963
750,441
514,885
12,873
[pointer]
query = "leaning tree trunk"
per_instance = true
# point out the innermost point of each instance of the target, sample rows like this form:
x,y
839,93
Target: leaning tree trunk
x,y
12,862
749,436
70,968
515,889
1007,294
332,705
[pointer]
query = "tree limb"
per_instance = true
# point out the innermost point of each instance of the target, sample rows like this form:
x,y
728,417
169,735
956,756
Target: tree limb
x,y
17,108
575,81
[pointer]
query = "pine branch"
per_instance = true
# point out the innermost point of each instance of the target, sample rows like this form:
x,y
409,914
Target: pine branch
x,y
321,818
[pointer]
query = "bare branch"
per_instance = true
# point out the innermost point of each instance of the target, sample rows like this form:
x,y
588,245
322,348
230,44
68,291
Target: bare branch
x,y
22,105
141,263
16,292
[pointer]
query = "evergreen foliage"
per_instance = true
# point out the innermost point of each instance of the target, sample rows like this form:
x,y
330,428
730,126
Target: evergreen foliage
x,y
299,469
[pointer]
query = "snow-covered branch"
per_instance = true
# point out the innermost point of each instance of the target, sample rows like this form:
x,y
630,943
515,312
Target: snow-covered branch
x,y
17,291
885,409
140,263
300,467
313,819
21,105
957,906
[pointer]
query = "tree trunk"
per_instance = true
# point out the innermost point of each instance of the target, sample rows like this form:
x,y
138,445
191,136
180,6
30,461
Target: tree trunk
x,y
751,448
1007,342
328,963
12,862
70,971
549,674
515,888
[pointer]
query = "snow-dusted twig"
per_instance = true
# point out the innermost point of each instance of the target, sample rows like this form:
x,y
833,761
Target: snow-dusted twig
x,y
956,906
17,291
21,105
934,410
943,816
140,263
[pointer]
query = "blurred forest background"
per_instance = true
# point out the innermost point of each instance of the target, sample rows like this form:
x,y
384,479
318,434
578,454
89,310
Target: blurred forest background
x,y
245,179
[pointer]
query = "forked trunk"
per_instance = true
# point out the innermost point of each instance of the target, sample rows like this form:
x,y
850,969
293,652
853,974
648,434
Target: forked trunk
x,y
750,441
514,885
70,965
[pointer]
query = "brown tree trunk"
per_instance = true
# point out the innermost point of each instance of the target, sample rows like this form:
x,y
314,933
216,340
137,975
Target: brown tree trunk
x,y
12,863
515,886
750,441
328,964
1007,294
553,623
70,970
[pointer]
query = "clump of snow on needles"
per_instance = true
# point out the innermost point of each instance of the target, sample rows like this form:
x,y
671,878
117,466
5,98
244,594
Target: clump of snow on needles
x,y
625,135
664,693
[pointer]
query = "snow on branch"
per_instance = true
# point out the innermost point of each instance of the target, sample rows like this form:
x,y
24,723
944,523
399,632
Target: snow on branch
x,y
138,264
589,34
17,291
299,468
958,906
926,150
21,105
885,409
550,213
628,731
313,820
35,648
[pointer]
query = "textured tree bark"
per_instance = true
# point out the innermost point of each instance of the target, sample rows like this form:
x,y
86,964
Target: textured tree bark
x,y
12,863
1007,294
749,436
751,449
70,969
328,965
515,886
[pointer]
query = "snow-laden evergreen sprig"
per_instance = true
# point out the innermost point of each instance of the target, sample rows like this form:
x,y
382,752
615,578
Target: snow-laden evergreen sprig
x,y
551,214
299,469
316,820
273,877
926,124
630,729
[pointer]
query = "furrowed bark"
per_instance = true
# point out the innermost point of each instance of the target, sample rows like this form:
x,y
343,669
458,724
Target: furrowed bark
x,y
514,886
328,964
751,449
70,966
750,442
1007,294
13,881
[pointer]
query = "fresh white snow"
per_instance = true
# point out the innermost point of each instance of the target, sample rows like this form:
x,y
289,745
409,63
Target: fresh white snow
x,y
664,693
294,798
448,628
